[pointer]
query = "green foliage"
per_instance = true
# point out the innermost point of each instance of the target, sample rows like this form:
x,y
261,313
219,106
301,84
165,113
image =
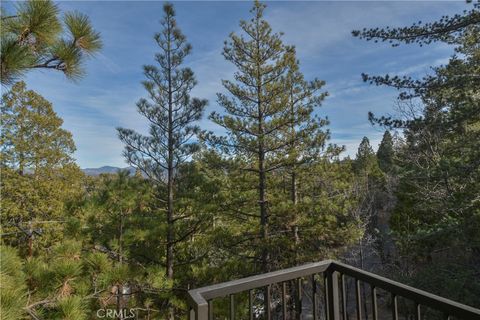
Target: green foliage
x,y
13,289
366,163
34,37
112,209
385,153
71,308
172,114
271,132
39,175
449,29
170,109
436,220
32,137
270,194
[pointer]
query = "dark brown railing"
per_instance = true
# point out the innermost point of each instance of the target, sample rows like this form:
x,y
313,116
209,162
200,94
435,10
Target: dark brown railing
x,y
334,292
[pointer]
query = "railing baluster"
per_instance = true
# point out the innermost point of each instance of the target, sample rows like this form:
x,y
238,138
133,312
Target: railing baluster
x,y
284,300
344,297
268,305
299,298
232,307
394,307
325,286
250,304
447,317
374,303
333,299
210,309
417,311
314,298
358,299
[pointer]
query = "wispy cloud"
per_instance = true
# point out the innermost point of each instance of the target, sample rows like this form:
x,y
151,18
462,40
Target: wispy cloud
x,y
321,32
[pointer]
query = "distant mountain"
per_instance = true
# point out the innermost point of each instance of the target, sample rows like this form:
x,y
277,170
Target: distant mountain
x,y
106,169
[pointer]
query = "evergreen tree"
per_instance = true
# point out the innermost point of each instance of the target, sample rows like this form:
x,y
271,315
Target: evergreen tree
x,y
33,38
32,137
172,114
257,110
369,179
122,222
119,198
38,171
437,208
305,133
365,160
385,152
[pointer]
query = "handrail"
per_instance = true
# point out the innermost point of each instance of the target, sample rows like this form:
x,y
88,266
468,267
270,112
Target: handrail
x,y
198,299
422,297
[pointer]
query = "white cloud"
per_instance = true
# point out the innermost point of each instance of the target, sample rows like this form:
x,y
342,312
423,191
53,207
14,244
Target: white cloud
x,y
321,32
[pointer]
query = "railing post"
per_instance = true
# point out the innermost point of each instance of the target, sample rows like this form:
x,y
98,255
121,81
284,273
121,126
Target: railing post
x,y
284,300
358,296
394,307
332,292
344,297
418,313
298,303
191,313
374,303
232,307
250,304
202,312
268,302
314,298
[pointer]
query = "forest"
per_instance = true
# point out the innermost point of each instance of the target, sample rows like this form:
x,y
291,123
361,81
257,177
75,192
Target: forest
x,y
272,192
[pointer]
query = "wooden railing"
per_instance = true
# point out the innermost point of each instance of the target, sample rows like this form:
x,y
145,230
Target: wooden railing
x,y
334,292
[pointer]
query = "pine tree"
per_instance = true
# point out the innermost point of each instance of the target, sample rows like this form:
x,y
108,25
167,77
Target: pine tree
x,y
172,114
460,30
308,138
438,165
385,152
118,200
365,160
257,111
33,38
38,170
27,146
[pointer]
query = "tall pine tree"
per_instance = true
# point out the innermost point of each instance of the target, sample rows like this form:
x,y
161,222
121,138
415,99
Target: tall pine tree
x,y
257,110
306,134
172,114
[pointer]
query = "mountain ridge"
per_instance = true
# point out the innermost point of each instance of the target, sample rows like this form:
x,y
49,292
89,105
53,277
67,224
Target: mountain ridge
x,y
106,170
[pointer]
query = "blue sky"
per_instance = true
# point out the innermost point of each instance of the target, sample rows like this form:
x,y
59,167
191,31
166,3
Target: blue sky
x,y
321,32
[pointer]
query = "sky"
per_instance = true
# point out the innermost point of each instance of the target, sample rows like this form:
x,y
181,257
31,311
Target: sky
x,y
105,98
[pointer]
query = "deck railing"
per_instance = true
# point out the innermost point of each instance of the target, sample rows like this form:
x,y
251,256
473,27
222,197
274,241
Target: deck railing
x,y
335,295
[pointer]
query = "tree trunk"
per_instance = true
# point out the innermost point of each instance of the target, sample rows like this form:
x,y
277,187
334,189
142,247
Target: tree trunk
x,y
262,186
120,239
294,198
293,182
30,239
262,183
170,210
